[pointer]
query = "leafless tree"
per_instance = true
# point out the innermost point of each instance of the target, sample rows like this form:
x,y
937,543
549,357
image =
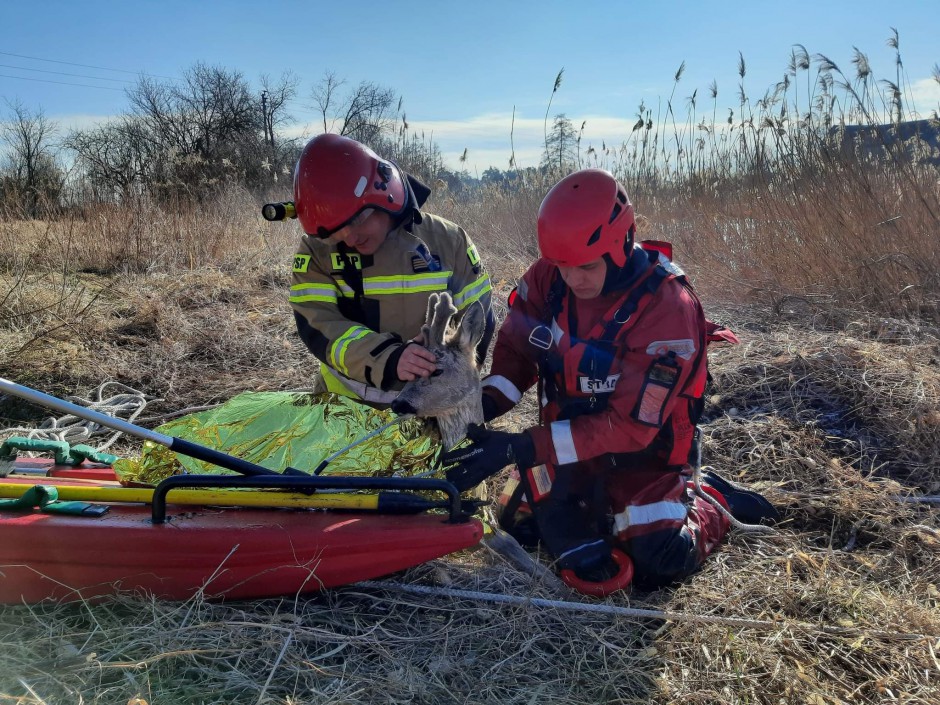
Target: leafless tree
x,y
189,136
30,176
113,158
218,106
325,96
154,105
373,115
275,97
364,113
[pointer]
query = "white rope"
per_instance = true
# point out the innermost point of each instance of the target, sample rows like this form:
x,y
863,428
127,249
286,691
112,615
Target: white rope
x,y
899,498
206,407
739,525
363,439
630,612
179,412
924,499
127,404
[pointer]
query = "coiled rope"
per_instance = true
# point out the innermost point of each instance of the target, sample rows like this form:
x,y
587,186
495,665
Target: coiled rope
x,y
128,404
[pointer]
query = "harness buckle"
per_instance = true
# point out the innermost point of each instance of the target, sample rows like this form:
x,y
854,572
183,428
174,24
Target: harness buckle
x,y
541,337
621,311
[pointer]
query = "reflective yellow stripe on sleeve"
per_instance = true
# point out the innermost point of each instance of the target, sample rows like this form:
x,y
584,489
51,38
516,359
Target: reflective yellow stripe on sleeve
x,y
472,292
341,345
406,283
309,291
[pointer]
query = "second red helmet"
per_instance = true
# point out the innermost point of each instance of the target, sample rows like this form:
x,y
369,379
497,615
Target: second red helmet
x,y
585,216
337,177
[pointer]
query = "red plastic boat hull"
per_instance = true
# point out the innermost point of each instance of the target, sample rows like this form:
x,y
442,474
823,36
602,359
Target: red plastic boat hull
x,y
220,553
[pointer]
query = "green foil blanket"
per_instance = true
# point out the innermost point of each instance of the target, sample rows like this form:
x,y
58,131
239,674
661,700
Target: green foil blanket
x,y
286,429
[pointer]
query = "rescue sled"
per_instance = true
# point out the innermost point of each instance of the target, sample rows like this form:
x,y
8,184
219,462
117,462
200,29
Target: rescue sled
x,y
75,533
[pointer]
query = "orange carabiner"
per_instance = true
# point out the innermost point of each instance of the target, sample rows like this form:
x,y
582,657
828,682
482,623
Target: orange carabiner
x,y
618,582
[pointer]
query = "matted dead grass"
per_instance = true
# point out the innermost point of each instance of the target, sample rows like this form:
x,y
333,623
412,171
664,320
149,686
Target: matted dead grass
x,y
832,413
830,422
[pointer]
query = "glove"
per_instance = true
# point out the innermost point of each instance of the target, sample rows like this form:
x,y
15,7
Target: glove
x,y
490,410
488,453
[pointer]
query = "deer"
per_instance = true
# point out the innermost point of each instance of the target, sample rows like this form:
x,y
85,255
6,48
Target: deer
x,y
452,395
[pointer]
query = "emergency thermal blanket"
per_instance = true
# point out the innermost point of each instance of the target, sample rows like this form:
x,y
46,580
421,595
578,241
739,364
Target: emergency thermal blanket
x,y
278,430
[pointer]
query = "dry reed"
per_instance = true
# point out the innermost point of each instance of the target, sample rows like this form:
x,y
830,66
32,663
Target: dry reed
x,y
829,405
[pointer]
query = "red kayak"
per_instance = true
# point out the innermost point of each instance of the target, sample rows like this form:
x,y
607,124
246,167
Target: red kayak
x,y
219,552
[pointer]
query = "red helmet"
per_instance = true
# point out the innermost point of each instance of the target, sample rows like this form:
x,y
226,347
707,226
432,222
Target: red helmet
x,y
586,215
336,178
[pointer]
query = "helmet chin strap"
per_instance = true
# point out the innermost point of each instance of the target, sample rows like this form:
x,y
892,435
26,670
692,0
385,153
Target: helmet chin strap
x,y
416,193
621,277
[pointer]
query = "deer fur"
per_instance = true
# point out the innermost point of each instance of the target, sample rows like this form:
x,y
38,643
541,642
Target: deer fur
x,y
452,394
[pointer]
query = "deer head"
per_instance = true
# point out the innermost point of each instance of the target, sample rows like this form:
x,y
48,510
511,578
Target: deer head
x,y
452,394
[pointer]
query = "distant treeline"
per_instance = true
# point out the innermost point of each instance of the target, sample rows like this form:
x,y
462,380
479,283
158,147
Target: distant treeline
x,y
183,140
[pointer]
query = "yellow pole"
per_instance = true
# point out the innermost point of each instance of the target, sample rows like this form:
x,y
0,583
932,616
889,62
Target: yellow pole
x,y
217,498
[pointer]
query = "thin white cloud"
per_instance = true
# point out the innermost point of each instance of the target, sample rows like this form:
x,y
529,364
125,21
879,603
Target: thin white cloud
x,y
64,124
78,121
490,139
83,122
480,159
300,130
925,94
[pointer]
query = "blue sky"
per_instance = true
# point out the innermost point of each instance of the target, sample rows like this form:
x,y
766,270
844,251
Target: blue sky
x,y
461,68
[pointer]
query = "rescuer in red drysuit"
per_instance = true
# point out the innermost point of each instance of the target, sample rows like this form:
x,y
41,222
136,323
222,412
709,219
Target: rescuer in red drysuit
x,y
615,338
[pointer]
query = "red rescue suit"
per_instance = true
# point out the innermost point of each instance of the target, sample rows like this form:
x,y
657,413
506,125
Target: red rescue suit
x,y
621,379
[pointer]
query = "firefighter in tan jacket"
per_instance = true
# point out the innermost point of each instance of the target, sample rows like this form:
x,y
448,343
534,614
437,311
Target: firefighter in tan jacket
x,y
366,267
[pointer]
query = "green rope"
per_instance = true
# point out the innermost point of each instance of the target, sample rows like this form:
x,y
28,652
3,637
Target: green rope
x,y
46,498
64,454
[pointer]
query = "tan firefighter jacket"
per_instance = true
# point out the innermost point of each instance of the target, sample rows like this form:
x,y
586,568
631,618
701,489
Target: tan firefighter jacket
x,y
357,315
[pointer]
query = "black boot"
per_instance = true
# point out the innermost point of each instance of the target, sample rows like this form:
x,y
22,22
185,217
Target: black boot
x,y
747,506
523,529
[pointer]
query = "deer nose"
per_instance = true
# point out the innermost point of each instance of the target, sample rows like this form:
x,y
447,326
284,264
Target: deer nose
x,y
402,407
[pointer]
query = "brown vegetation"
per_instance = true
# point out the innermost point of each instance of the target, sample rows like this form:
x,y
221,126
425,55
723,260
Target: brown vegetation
x,y
832,412
823,262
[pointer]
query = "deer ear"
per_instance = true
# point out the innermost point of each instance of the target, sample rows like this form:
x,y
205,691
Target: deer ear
x,y
472,324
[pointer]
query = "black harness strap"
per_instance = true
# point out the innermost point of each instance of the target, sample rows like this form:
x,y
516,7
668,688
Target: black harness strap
x,y
649,286
549,361
599,352
353,277
507,517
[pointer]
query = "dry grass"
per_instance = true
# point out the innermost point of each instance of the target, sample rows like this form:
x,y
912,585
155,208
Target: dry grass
x,y
831,405
832,413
